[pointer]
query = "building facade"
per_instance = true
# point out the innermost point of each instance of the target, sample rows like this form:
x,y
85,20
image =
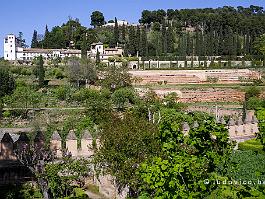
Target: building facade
x,y
14,52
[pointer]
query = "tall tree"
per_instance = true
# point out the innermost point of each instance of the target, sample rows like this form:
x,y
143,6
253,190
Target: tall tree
x,y
123,33
40,71
143,43
116,32
22,40
132,41
97,19
170,39
34,41
138,39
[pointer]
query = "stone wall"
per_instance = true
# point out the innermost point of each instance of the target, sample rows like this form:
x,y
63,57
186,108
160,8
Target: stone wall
x,y
193,76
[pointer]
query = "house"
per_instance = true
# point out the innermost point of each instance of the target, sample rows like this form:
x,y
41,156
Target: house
x,y
119,22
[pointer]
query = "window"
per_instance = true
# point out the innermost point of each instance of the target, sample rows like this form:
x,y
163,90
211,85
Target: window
x,y
11,51
10,46
6,40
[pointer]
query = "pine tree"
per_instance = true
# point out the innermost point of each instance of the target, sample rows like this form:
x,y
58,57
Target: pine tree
x,y
34,42
116,32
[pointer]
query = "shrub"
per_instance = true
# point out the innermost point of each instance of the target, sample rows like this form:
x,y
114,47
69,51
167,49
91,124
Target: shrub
x,y
7,114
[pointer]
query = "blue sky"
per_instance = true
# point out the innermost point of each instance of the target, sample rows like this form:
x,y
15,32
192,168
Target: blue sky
x,y
29,15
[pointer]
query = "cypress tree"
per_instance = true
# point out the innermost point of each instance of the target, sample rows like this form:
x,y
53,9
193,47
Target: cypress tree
x,y
164,39
123,33
40,71
170,39
34,41
138,40
132,41
97,58
143,43
116,32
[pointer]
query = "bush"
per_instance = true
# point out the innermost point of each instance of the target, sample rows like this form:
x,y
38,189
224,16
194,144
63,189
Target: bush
x,y
62,93
7,114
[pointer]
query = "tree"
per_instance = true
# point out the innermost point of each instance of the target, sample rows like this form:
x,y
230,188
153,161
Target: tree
x,y
259,44
116,32
34,41
88,70
97,19
97,58
186,161
116,77
143,44
7,86
22,40
132,41
40,71
125,143
170,39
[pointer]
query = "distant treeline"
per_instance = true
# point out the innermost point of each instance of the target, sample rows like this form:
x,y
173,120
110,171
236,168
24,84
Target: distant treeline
x,y
226,31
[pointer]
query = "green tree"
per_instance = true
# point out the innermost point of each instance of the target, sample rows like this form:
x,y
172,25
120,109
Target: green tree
x,y
125,143
40,71
97,19
259,44
186,161
116,33
34,41
143,44
132,41
7,86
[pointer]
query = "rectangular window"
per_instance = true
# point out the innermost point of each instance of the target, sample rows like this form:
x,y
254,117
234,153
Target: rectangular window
x,y
6,40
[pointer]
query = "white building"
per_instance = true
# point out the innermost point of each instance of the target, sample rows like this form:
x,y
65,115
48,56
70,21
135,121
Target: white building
x,y
14,52
104,53
10,46
119,22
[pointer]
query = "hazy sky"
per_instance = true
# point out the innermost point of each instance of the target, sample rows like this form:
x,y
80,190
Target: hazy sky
x,y
27,15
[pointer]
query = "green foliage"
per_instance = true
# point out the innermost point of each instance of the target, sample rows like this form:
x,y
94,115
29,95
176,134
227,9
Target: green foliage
x,y
97,19
63,176
63,93
7,83
254,103
123,97
124,144
260,44
185,160
116,77
98,106
40,71
252,91
253,145
261,118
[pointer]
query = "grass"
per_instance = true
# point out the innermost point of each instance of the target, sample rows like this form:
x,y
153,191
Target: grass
x,y
253,144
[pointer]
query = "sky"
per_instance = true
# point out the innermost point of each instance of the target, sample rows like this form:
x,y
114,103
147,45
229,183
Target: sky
x,y
29,15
